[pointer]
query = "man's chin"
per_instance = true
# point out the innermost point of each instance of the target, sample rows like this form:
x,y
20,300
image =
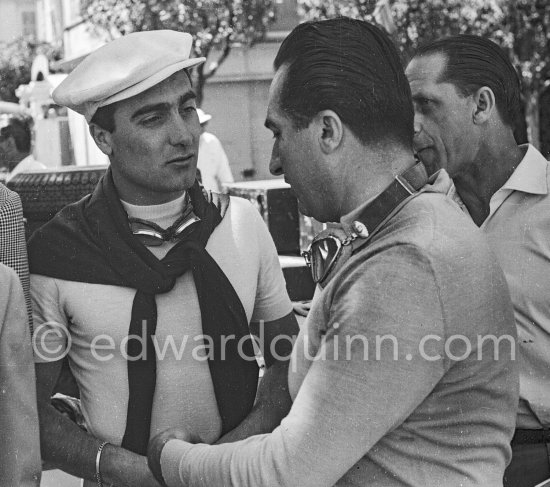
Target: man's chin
x,y
313,214
187,178
302,209
429,161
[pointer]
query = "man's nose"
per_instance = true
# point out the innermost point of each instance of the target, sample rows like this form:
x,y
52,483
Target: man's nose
x,y
417,125
183,131
275,167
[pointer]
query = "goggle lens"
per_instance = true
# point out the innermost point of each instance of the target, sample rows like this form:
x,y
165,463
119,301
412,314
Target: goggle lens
x,y
151,235
322,255
148,237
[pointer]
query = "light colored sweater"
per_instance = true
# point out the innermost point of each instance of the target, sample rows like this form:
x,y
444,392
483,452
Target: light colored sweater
x,y
431,415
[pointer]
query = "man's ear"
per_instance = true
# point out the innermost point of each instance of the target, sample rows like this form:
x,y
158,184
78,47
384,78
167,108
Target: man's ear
x,y
102,138
331,131
9,144
484,98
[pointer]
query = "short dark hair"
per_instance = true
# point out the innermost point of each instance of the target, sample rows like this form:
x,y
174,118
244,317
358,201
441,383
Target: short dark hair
x,y
351,67
474,61
105,116
19,127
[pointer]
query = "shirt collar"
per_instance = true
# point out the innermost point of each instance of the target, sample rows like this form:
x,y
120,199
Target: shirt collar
x,y
439,182
531,174
164,211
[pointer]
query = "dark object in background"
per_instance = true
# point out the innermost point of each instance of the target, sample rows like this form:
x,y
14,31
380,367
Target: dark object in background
x,y
291,231
278,206
299,283
544,122
248,173
44,193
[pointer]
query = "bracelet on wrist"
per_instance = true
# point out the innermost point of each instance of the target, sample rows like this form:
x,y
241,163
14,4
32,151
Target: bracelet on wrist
x,y
98,477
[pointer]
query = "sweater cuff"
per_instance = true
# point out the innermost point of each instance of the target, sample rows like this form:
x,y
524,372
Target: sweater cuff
x,y
172,455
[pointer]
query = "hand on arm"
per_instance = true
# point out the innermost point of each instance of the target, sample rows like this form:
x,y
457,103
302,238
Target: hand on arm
x,y
301,308
71,449
346,402
272,400
154,450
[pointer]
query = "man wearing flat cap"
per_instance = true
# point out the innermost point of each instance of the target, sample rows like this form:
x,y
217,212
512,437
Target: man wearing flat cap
x,y
151,285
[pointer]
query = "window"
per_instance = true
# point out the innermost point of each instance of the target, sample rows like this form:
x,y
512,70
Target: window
x,y
29,23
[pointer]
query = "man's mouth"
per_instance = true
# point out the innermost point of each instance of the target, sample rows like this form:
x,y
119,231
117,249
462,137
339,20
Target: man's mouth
x,y
181,159
420,149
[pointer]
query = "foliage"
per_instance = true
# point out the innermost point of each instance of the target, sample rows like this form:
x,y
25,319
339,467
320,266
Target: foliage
x,y
216,25
522,27
15,64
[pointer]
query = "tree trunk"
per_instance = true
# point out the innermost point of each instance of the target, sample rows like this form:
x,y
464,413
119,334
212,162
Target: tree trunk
x,y
532,117
200,81
204,72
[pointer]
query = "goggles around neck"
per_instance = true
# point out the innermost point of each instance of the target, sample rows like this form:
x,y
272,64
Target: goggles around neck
x,y
328,247
323,253
152,235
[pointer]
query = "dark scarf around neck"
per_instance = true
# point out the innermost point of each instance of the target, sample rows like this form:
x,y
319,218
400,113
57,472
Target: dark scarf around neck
x,y
90,241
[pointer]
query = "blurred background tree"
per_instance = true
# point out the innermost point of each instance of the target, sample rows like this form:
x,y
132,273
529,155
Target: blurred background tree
x,y
522,27
216,25
15,63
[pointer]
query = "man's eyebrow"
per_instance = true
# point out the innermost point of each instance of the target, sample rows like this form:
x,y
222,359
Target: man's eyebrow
x,y
421,94
190,95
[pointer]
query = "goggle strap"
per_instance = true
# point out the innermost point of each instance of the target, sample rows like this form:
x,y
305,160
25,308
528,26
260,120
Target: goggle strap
x,y
404,187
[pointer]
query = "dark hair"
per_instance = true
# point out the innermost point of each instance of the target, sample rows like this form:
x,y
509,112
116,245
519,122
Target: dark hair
x,y
351,67
19,127
105,116
473,62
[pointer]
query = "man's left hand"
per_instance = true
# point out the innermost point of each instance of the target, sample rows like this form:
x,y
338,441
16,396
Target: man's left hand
x,y
156,445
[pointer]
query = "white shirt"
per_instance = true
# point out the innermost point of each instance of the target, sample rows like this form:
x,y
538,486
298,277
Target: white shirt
x,y
213,163
518,230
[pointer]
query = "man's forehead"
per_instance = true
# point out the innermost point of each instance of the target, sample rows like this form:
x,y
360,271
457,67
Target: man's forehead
x,y
275,93
277,84
426,68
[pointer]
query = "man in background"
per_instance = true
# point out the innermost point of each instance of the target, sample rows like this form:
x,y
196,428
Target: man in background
x,y
20,452
13,248
213,163
466,95
16,145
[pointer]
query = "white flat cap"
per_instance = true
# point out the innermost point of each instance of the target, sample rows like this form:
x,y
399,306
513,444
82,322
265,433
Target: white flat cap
x,y
124,68
203,117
